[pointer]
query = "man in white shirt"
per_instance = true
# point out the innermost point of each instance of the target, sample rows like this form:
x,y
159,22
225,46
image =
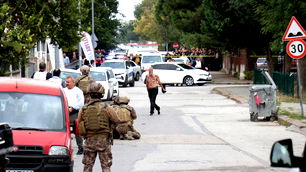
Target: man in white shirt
x,y
42,73
75,99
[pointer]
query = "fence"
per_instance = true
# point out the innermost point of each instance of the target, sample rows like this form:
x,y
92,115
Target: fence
x,y
285,82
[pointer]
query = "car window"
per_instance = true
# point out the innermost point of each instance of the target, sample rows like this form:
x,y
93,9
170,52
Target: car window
x,y
111,74
171,66
151,59
98,76
27,110
133,64
185,66
128,64
65,74
158,66
114,65
164,66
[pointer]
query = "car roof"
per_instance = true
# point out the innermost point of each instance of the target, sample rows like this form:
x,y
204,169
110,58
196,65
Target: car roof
x,y
70,70
168,63
151,54
114,60
98,69
27,85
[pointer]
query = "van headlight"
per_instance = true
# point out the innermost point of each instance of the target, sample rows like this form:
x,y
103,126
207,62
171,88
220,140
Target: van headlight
x,y
58,150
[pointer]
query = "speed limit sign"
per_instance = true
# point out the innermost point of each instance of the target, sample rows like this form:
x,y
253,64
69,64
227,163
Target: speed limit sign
x,y
296,49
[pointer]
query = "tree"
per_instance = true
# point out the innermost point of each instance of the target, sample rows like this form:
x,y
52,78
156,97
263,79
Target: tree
x,y
126,33
106,24
24,23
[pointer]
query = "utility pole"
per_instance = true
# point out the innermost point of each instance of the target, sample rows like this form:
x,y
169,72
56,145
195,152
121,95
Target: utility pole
x,y
80,48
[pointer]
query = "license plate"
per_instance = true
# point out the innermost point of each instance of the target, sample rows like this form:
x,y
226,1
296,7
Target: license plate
x,y
19,171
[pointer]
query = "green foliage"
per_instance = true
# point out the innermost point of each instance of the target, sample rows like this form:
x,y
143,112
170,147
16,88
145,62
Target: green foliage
x,y
126,33
248,75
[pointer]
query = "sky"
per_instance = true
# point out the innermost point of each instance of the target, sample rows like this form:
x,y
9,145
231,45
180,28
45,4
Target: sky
x,y
127,7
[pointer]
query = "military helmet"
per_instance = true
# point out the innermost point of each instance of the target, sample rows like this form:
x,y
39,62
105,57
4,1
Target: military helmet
x,y
95,88
85,69
121,100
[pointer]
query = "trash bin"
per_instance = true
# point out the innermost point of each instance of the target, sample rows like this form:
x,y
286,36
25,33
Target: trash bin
x,y
262,100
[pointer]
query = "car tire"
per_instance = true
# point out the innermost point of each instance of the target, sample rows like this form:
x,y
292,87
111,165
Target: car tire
x,y
188,80
137,76
132,84
125,82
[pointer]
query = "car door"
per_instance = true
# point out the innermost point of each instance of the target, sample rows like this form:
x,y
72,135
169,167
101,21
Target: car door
x,y
167,73
129,70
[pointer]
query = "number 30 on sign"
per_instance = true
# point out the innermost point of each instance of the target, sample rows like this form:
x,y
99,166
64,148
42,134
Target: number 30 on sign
x,y
296,49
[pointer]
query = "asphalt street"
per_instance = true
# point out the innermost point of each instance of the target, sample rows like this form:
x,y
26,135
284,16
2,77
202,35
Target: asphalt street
x,y
197,130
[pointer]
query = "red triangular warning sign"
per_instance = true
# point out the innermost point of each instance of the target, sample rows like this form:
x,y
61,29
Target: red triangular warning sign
x,y
294,31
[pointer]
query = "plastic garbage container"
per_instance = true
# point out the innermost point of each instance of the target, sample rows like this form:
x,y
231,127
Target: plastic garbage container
x,y
262,100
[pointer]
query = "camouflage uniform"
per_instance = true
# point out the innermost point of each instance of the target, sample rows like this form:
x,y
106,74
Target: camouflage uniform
x,y
98,142
84,81
126,129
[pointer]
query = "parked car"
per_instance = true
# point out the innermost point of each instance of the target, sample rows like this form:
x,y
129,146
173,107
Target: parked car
x,y
179,73
103,76
282,156
37,112
148,59
69,72
123,73
136,70
261,63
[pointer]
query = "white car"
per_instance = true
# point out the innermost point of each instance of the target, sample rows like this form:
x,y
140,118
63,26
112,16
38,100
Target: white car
x,y
148,59
102,76
114,81
123,73
69,72
179,73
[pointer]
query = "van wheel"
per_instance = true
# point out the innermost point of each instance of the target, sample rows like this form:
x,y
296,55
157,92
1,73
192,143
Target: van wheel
x,y
254,117
125,82
188,80
137,76
132,84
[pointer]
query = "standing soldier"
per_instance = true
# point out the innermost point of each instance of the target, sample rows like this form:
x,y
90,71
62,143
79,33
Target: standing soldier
x,y
126,114
95,120
83,81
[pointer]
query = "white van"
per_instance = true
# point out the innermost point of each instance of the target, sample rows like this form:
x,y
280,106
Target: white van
x,y
148,59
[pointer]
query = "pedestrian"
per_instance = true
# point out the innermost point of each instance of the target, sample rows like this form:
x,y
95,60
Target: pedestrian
x,y
75,99
56,78
42,73
66,59
152,81
126,115
95,120
83,81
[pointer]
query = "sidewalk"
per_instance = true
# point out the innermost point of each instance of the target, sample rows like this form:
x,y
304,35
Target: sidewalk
x,y
240,94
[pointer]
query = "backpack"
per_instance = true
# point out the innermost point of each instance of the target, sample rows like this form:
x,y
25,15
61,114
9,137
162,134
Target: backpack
x,y
123,113
83,82
95,119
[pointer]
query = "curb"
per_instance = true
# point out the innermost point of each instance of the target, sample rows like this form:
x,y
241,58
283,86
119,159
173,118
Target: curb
x,y
218,90
285,120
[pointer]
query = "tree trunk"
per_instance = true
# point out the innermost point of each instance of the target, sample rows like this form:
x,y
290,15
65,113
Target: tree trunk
x,y
269,60
287,63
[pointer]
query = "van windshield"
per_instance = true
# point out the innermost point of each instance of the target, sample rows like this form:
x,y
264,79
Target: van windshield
x,y
98,76
151,59
32,111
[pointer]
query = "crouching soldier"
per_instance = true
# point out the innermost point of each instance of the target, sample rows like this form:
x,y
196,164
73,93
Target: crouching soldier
x,y
95,119
126,114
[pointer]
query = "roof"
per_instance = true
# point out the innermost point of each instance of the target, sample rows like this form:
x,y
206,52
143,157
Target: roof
x,y
99,69
115,60
11,84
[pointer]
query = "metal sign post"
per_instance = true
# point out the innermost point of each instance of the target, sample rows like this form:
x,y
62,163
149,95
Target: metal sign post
x,y
300,86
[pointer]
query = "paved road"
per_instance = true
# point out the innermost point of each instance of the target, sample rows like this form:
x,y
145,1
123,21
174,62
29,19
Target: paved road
x,y
196,131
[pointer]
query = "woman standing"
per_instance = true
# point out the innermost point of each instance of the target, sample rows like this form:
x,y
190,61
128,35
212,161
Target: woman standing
x,y
152,81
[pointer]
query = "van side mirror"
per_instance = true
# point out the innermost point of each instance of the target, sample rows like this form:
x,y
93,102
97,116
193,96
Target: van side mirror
x,y
282,154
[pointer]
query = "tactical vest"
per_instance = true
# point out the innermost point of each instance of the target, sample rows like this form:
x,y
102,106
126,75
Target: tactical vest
x,y
123,113
83,82
95,118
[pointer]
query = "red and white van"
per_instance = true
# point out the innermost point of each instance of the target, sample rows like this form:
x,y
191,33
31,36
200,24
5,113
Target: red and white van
x,y
37,112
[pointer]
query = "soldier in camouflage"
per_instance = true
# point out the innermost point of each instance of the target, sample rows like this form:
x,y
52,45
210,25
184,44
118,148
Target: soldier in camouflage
x,y
95,119
126,115
83,82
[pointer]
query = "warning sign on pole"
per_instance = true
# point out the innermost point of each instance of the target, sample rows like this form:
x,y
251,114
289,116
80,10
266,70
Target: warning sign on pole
x,y
294,31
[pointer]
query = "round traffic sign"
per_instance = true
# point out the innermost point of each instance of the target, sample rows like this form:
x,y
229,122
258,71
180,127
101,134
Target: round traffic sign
x,y
175,45
296,49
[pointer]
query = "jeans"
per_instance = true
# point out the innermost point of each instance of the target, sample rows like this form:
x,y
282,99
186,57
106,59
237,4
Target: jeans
x,y
152,92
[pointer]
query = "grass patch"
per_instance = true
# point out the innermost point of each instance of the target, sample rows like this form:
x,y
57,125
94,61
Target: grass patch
x,y
292,115
289,99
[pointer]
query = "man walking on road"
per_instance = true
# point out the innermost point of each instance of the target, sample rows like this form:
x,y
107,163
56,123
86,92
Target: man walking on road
x,y
152,81
75,99
95,120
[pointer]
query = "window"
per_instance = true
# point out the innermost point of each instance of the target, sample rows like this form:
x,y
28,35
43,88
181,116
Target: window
x,y
27,110
98,76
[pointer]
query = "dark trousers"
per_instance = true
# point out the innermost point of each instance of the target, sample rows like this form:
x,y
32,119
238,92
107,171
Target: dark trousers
x,y
152,92
79,140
